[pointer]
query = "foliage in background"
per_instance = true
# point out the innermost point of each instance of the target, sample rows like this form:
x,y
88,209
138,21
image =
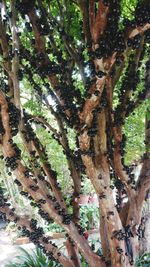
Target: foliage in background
x,y
134,130
34,259
38,259
144,260
89,216
58,27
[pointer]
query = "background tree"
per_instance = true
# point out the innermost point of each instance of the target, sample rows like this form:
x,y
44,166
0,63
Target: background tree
x,y
76,68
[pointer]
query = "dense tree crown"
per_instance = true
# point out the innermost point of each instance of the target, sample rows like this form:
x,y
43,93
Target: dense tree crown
x,y
74,94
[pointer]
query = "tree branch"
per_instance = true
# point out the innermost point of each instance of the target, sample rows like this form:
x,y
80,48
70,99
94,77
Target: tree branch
x,y
40,45
39,239
117,160
31,187
99,23
129,84
15,61
84,6
6,57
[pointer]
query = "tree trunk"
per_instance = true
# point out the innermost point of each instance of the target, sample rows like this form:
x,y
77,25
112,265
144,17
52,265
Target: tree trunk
x,y
109,61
